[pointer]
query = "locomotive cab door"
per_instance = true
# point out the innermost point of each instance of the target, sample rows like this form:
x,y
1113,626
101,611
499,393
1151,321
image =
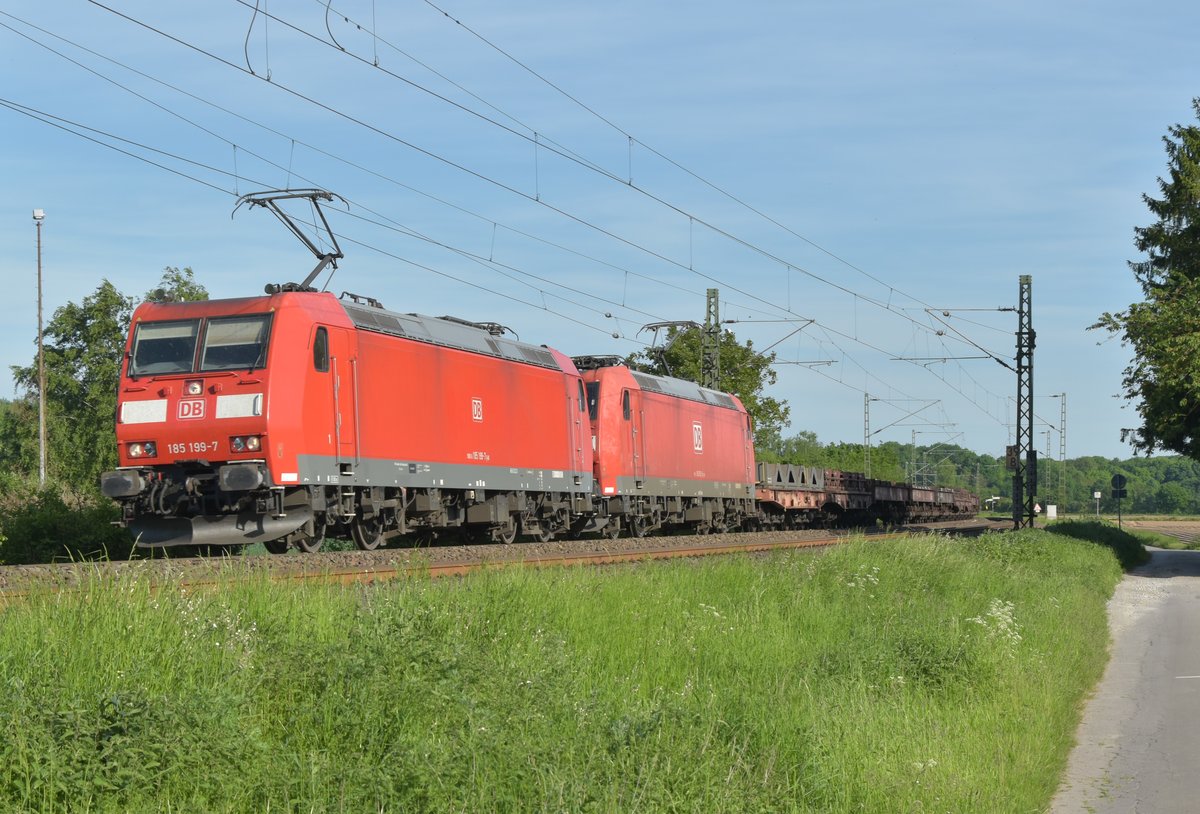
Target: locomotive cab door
x,y
748,451
631,411
579,430
343,382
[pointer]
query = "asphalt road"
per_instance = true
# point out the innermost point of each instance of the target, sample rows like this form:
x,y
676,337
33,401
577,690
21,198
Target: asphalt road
x,y
1138,747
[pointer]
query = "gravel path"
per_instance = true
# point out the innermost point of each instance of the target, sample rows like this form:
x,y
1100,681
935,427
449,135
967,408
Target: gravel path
x,y
1136,746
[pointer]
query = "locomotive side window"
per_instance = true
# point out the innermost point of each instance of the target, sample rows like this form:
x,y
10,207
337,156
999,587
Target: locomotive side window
x,y
593,399
625,404
164,347
236,343
321,351
581,400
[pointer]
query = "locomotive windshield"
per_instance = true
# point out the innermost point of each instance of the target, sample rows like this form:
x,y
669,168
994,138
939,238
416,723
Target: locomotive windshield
x,y
230,343
164,347
236,343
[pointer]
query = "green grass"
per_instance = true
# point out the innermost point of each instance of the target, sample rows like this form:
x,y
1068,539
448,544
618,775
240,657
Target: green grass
x,y
1154,538
917,675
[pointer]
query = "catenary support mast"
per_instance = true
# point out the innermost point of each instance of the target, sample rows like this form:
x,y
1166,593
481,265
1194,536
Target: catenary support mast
x,y
1025,479
710,343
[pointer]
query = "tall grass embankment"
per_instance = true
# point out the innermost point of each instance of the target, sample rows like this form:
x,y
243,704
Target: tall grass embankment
x,y
909,675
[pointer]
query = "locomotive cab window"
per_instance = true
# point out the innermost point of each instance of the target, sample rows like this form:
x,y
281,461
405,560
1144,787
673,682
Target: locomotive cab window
x,y
593,399
236,343
625,412
164,347
321,351
582,406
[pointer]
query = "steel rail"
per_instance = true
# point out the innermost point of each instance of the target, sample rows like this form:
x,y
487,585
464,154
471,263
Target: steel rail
x,y
51,579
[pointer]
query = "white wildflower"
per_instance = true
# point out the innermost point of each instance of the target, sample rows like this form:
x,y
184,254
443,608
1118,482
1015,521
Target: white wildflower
x,y
1000,623
864,579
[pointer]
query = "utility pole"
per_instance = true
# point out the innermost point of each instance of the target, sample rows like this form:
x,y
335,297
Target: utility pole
x,y
867,434
1025,478
710,343
1062,454
912,477
38,216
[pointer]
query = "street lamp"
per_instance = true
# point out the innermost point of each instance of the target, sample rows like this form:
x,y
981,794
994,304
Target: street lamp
x,y
39,215
1062,450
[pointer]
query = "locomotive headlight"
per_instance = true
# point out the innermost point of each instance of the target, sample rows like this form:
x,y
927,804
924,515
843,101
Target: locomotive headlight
x,y
193,387
245,443
142,449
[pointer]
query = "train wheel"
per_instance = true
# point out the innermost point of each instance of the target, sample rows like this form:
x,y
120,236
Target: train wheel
x,y
279,546
613,530
639,526
539,534
309,544
367,534
506,532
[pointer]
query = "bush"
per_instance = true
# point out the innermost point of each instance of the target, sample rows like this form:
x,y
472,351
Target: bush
x,y
1129,549
47,523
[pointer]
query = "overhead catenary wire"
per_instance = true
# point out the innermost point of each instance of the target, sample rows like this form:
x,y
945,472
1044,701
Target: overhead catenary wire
x,y
437,157
538,137
516,299
631,139
456,165
539,306
537,141
293,141
67,126
508,187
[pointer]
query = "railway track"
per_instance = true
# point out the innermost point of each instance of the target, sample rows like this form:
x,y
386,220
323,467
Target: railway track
x,y
348,567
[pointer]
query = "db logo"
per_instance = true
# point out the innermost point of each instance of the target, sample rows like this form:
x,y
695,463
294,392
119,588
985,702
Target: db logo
x,y
477,410
191,408
697,437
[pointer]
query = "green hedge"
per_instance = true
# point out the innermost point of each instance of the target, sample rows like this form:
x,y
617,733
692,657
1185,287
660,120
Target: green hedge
x,y
40,524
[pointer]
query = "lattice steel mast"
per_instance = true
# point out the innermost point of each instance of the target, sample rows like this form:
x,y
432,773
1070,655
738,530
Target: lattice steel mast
x,y
710,343
1025,478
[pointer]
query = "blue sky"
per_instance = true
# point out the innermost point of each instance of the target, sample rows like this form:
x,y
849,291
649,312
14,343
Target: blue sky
x,y
852,163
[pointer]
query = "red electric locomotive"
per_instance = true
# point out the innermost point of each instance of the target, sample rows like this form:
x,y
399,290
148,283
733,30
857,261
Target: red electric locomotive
x,y
276,419
668,452
279,419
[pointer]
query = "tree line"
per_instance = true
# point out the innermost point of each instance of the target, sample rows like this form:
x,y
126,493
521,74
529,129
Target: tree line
x,y
83,348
